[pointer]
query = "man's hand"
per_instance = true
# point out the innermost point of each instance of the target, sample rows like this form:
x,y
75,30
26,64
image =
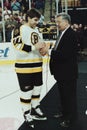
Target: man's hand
x,y
43,51
42,48
39,45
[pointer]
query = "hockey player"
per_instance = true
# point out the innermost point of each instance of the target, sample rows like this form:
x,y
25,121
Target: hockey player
x,y
27,42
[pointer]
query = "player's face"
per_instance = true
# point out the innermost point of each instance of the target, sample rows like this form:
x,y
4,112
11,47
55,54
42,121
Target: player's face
x,y
33,22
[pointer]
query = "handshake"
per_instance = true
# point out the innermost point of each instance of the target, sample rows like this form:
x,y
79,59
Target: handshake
x,y
42,48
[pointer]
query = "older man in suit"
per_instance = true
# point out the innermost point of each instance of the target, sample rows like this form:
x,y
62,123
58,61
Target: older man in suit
x,y
63,65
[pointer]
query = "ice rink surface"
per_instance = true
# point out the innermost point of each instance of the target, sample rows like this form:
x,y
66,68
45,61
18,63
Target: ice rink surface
x,y
11,116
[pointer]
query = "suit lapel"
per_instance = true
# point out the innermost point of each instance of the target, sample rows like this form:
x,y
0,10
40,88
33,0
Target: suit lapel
x,y
63,36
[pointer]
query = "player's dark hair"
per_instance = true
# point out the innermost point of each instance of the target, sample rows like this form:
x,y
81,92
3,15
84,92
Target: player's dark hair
x,y
32,13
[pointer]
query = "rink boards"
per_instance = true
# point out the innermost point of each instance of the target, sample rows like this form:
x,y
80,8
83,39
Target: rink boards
x,y
8,57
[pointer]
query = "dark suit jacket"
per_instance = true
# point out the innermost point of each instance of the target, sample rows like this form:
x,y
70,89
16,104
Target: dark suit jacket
x,y
63,62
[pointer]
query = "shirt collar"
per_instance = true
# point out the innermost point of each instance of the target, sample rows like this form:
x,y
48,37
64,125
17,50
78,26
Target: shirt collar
x,y
65,29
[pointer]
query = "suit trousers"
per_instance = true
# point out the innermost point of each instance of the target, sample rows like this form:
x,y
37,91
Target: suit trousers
x,y
68,97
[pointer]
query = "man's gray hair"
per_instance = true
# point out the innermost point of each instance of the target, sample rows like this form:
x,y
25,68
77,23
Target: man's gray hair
x,y
65,16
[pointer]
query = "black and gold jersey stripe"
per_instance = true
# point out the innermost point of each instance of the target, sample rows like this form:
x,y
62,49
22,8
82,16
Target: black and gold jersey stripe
x,y
28,67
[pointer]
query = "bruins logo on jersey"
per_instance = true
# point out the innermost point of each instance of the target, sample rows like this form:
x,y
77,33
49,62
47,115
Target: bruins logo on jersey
x,y
34,38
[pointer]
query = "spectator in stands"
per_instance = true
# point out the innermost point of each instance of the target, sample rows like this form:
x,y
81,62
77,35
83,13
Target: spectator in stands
x,y
33,3
21,5
40,4
78,28
6,13
7,4
25,4
8,31
52,21
17,18
10,23
52,28
15,7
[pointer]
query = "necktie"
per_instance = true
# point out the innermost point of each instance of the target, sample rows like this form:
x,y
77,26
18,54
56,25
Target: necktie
x,y
57,41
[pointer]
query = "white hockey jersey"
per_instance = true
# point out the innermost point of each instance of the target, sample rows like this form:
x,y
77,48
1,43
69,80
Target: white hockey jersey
x,y
28,59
